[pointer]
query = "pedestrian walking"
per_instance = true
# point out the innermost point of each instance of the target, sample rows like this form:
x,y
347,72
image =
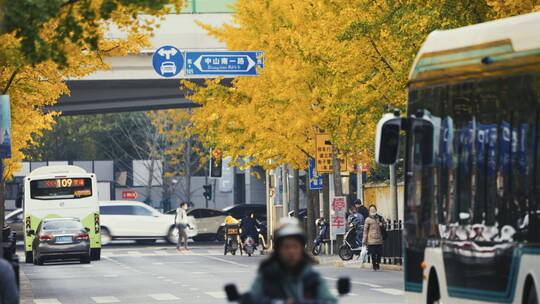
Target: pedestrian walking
x,y
181,222
287,276
9,294
373,236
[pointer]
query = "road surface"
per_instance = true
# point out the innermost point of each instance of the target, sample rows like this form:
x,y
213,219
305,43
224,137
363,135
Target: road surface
x,y
131,273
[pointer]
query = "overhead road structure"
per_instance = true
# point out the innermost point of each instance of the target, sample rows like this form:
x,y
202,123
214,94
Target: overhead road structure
x,y
106,96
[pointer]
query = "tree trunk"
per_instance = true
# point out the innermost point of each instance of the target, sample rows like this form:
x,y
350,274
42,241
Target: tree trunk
x,y
326,196
150,181
336,165
310,206
296,193
187,170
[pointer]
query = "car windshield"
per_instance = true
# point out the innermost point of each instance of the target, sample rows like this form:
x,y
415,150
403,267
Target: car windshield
x,y
62,225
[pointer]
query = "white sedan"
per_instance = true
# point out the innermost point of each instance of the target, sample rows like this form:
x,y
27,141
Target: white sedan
x,y
129,220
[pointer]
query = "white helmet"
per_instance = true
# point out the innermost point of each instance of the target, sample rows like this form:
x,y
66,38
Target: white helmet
x,y
289,227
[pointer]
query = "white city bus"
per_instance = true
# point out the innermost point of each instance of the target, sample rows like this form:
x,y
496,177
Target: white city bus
x,y
61,191
472,165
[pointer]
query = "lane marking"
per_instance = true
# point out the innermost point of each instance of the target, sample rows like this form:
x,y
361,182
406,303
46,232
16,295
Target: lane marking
x,y
110,276
224,261
46,301
216,294
371,285
194,289
367,284
199,272
105,299
157,263
163,296
390,291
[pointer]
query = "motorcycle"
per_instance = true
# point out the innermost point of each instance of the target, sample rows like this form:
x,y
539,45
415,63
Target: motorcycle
x,y
232,232
349,248
249,245
321,238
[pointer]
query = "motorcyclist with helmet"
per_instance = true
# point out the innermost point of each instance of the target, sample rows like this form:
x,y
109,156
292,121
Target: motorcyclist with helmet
x,y
287,276
250,226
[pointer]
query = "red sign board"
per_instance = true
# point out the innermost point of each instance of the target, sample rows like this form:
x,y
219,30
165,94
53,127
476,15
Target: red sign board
x,y
129,194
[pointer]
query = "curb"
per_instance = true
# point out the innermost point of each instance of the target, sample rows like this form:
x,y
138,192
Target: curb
x,y
336,262
26,294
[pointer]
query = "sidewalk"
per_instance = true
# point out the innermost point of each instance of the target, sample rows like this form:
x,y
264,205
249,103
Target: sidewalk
x,y
27,296
336,261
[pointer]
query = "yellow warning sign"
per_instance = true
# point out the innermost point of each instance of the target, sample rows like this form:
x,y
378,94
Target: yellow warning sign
x,y
323,158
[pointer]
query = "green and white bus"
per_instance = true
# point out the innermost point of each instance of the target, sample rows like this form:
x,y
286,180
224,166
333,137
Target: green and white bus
x,y
61,191
472,165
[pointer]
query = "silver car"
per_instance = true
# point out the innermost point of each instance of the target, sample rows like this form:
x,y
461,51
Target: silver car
x,y
59,239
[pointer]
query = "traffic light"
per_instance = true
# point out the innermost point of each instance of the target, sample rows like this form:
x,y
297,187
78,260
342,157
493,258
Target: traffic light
x,y
207,192
215,165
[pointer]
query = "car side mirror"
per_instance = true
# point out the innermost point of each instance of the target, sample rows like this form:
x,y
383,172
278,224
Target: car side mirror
x,y
86,229
343,286
31,232
387,138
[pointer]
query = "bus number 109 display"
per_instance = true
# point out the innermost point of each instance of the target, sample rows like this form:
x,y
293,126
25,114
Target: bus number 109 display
x,y
60,183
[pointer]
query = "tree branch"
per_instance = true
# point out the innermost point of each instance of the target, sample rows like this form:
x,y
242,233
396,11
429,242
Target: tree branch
x,y
10,81
381,56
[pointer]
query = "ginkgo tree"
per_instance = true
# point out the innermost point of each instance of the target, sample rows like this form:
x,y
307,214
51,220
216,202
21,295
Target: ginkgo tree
x,y
331,66
46,42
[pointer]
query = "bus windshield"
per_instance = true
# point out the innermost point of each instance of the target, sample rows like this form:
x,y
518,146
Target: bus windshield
x,y
61,188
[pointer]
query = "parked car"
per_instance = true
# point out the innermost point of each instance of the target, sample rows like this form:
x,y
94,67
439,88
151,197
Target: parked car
x,y
208,222
60,238
130,220
15,221
239,212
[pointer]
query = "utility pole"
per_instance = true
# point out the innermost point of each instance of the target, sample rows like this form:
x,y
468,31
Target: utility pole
x,y
393,190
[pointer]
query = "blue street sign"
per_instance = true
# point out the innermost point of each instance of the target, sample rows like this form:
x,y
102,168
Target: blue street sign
x,y
315,180
224,63
168,61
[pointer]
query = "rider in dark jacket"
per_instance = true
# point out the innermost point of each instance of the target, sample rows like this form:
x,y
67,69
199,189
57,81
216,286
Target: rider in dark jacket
x,y
250,227
287,275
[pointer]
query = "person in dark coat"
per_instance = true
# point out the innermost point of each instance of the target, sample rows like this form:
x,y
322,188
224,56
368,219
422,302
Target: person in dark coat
x,y
360,208
250,227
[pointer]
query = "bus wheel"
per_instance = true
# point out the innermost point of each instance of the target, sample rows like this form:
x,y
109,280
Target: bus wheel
x,y
29,257
95,254
532,297
433,292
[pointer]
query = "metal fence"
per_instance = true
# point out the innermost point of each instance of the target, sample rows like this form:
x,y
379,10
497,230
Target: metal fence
x,y
393,245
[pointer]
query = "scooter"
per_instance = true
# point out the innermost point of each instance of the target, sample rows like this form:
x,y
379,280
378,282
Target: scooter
x,y
343,288
322,238
349,248
231,239
249,245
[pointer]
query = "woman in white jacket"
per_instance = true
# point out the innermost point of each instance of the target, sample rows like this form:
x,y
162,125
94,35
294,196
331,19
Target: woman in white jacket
x,y
181,221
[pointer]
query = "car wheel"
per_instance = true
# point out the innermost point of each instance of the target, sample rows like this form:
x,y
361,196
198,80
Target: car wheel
x,y
531,295
106,237
37,259
172,235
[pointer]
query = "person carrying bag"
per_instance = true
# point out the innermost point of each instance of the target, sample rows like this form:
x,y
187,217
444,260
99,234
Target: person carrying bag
x,y
374,236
